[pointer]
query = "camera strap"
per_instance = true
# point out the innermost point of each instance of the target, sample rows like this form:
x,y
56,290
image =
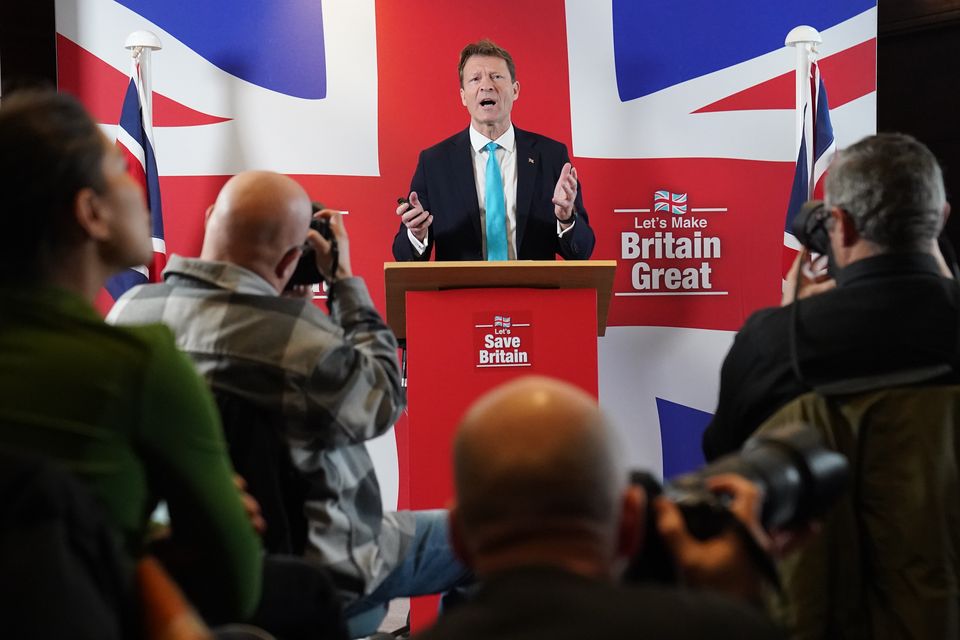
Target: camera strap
x,y
334,267
795,330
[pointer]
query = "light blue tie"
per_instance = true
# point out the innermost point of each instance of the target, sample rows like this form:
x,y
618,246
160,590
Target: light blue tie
x,y
496,208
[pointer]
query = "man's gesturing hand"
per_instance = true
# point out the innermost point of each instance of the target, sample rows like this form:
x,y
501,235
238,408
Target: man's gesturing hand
x,y
414,217
565,194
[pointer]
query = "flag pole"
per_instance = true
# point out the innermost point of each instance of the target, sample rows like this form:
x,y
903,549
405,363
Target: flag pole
x,y
805,40
141,44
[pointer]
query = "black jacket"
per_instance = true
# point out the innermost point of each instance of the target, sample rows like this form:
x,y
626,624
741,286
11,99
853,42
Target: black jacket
x,y
887,313
542,603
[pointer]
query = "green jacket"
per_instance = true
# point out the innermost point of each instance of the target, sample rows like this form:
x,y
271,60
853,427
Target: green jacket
x,y
887,563
127,413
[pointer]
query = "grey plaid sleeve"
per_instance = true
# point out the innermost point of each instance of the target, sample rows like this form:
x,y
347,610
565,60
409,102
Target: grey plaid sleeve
x,y
355,384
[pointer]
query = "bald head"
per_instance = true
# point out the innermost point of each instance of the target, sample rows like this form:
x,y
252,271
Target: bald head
x,y
259,221
533,456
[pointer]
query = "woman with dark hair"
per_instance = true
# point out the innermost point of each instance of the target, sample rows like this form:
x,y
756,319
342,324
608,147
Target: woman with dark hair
x,y
119,407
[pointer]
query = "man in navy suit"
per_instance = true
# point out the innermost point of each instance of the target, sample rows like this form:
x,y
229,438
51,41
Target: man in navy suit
x,y
492,191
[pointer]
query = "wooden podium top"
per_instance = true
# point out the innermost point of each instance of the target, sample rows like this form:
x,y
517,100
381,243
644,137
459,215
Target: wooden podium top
x,y
401,277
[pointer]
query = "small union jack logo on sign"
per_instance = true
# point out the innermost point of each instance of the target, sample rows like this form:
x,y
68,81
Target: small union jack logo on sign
x,y
501,321
675,203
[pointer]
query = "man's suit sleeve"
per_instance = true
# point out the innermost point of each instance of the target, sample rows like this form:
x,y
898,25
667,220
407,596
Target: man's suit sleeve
x,y
577,244
403,251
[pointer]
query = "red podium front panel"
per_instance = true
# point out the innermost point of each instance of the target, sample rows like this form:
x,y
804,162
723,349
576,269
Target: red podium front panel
x,y
461,343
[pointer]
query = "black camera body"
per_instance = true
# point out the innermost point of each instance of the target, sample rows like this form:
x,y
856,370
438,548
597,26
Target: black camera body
x,y
322,226
306,271
810,230
799,478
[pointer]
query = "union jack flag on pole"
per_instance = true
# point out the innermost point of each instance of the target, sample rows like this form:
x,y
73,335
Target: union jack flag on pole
x,y
817,146
135,139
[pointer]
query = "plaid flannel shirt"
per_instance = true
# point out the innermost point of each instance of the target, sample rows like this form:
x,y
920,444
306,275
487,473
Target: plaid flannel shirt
x,y
335,380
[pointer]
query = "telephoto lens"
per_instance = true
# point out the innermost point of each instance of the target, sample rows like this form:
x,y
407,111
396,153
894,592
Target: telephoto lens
x,y
799,478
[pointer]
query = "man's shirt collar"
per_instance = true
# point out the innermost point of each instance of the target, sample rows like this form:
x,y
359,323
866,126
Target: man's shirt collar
x,y
223,275
478,141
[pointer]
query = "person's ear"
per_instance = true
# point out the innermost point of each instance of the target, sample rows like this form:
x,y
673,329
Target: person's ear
x,y
632,521
463,97
946,214
457,540
288,263
516,90
207,214
90,214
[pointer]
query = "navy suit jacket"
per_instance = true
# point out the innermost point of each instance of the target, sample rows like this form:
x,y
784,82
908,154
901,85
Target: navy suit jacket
x,y
445,183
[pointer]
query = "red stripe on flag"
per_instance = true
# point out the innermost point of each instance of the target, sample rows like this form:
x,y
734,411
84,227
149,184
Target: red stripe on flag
x,y
777,93
155,268
818,188
135,169
101,88
852,74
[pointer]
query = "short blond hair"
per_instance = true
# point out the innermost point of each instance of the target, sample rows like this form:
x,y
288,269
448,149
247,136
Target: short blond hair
x,y
486,48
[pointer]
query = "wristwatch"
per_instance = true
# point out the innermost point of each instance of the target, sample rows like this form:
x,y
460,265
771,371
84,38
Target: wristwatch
x,y
570,220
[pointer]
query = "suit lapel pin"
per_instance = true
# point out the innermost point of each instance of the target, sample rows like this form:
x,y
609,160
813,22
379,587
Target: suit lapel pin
x,y
531,161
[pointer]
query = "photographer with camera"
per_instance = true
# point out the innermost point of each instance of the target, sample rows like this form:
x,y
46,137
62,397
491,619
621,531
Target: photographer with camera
x,y
894,306
318,385
546,517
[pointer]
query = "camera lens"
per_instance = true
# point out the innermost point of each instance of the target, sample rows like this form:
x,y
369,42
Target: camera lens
x,y
799,477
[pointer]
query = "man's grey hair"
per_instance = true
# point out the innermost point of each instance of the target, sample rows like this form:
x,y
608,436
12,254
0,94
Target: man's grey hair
x,y
892,187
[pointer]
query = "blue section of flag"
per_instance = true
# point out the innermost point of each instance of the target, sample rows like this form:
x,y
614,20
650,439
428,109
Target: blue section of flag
x,y
274,45
703,36
800,191
121,282
824,128
681,429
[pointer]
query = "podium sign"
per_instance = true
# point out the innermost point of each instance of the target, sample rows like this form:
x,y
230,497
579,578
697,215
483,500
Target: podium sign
x,y
463,342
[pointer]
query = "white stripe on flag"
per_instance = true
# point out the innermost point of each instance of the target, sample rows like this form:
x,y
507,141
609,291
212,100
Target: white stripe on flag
x,y
791,242
132,146
823,162
159,246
